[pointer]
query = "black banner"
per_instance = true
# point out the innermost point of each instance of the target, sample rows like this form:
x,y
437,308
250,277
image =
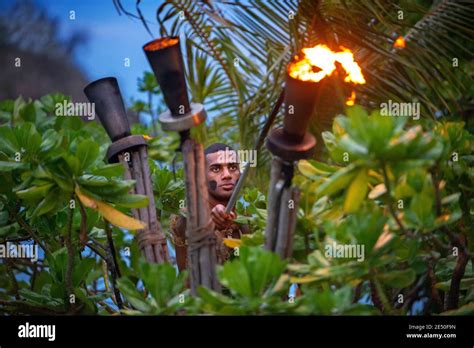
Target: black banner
x,y
432,331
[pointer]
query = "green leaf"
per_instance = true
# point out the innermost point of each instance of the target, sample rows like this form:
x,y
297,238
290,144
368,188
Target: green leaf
x,y
73,162
112,190
467,309
131,201
28,113
93,180
50,140
465,284
8,142
133,296
87,152
81,271
34,192
254,272
47,204
161,281
398,279
28,138
356,192
336,182
9,166
110,170
8,230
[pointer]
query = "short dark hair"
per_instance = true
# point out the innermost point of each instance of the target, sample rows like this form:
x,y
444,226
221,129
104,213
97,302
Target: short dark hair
x,y
217,147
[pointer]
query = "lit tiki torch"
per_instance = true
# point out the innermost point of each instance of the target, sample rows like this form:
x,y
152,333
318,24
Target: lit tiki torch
x,y
165,58
305,76
131,150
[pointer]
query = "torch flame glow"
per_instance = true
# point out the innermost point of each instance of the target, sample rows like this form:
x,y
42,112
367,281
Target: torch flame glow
x,y
399,42
351,100
159,44
322,59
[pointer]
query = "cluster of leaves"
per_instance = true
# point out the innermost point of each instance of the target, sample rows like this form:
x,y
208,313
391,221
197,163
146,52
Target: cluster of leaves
x,y
383,191
58,192
389,187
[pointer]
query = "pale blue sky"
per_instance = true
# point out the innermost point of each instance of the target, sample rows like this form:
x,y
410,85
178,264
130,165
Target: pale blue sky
x,y
111,38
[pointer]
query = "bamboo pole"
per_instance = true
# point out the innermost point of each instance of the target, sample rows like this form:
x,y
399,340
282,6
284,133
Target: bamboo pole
x,y
208,257
272,208
283,227
199,228
191,209
151,240
160,249
295,196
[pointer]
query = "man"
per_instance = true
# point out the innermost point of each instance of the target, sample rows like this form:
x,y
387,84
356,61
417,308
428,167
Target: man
x,y
223,172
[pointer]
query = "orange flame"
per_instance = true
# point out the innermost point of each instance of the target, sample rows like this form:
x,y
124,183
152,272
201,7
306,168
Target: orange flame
x,y
159,44
399,42
319,62
351,100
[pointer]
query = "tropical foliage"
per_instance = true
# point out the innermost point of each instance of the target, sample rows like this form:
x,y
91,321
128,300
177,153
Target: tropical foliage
x,y
400,188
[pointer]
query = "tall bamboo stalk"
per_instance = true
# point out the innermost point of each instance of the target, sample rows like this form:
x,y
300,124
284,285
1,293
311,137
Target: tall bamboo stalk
x,y
202,257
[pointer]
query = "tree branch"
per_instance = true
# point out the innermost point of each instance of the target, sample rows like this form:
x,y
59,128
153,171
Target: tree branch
x,y
70,260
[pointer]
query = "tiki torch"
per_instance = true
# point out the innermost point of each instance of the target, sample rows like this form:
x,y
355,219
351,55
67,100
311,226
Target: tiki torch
x,y
305,82
131,151
288,144
165,58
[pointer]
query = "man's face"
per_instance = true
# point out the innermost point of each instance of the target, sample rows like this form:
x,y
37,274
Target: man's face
x,y
222,173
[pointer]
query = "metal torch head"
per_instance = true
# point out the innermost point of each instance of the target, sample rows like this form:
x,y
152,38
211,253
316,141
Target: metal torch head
x,y
293,142
300,98
166,60
109,107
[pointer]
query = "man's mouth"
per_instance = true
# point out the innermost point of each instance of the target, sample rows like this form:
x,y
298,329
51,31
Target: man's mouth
x,y
227,187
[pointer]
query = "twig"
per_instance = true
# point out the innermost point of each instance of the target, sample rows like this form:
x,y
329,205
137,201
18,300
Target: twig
x,y
13,279
26,308
453,294
434,291
113,265
96,251
390,202
70,260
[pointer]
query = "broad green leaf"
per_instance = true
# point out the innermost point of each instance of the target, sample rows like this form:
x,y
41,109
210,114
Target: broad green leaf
x,y
87,152
47,204
110,170
81,270
8,142
131,201
133,296
34,192
9,166
93,180
356,192
28,138
336,182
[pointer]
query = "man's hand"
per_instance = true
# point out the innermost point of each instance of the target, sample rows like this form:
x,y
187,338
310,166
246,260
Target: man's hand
x,y
220,218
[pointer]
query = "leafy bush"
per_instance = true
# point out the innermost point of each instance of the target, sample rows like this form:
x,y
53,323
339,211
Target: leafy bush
x,y
402,192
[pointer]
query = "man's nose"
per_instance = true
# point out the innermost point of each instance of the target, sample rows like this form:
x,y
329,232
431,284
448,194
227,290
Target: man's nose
x,y
226,173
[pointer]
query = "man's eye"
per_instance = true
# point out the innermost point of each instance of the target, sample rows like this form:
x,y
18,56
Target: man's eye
x,y
215,169
233,167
